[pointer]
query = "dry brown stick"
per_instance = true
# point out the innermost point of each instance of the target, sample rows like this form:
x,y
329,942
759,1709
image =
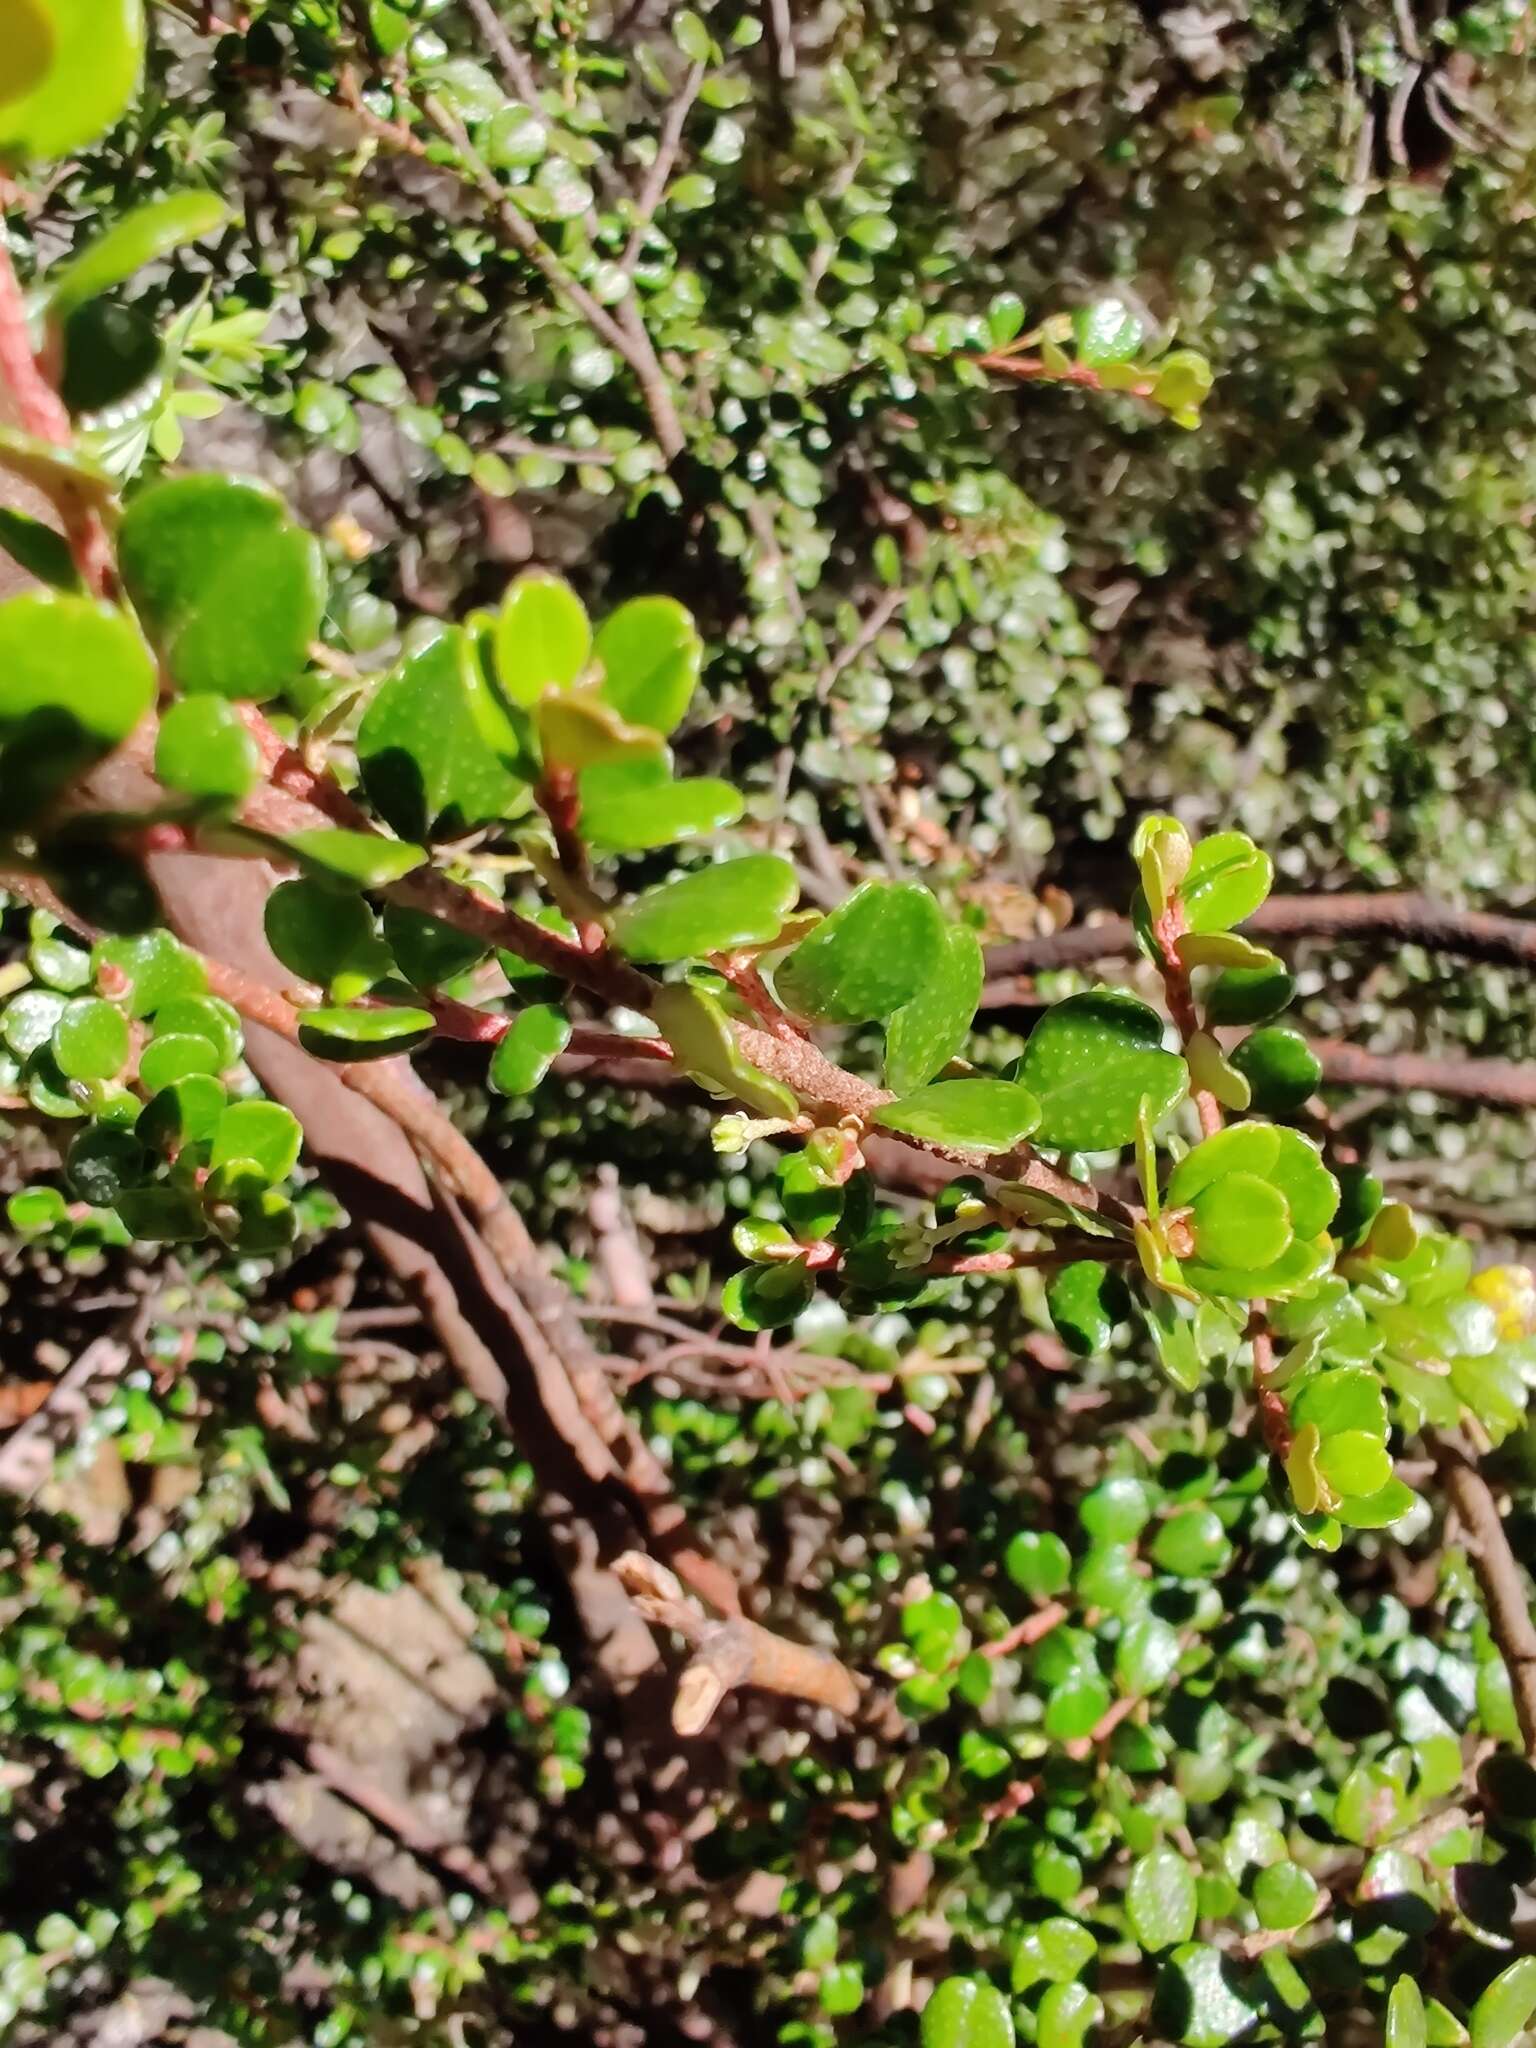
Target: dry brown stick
x,y
26,1456
667,145
629,340
1509,1084
1505,1590
1412,918
731,1653
510,61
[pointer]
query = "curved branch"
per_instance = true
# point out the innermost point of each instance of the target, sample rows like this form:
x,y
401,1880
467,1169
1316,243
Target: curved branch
x,y
1506,1592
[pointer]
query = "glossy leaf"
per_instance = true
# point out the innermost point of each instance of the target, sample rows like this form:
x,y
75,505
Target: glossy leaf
x,y
1284,1895
705,1047
182,1113
1241,1220
1160,1900
1201,1999
263,1133
632,804
1082,1298
103,1161
363,1034
90,1040
1249,995
325,937
1091,1061
740,902
578,730
141,236
1228,878
1406,2026
230,589
536,1038
543,637
928,1031
767,1297
1191,1544
72,67
433,744
650,654
365,860
967,2012
203,749
974,1115
865,960
70,660
1281,1069
148,969
1039,1563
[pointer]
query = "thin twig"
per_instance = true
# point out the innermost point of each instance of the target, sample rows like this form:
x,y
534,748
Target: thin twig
x,y
668,143
731,1653
1505,1590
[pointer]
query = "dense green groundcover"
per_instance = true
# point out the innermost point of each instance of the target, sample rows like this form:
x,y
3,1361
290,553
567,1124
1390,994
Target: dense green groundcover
x,y
583,492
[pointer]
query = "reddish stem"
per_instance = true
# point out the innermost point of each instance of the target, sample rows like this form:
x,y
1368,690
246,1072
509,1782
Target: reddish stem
x,y
1168,930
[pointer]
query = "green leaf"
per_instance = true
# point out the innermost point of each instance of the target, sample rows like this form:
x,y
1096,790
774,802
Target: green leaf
x,y
1147,1654
1347,1398
1005,318
543,637
358,1034
867,958
31,1210
1201,1999
967,2012
1107,332
975,1115
1284,1895
1039,1563
928,1031
705,1048
175,1054
578,730
1308,1187
38,549
1248,995
1377,1510
148,968
692,37
1506,2006
536,1038
70,69
650,654
631,804
90,1040
70,659
230,589
1160,1900
1075,1706
103,1162
265,1133
1242,1221
1116,1510
1191,1544
427,952
204,749
1405,2016
741,902
767,1297
1091,1060
142,235
325,937
1082,1299
162,1215
363,860
1280,1068
1066,2014
182,1114
1228,878
434,743
1354,1463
